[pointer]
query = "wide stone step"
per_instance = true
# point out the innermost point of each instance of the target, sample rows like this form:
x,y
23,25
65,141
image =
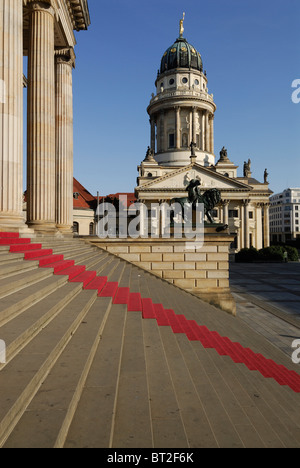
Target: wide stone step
x,y
81,256
265,404
70,248
16,303
6,257
10,269
21,379
47,419
52,421
23,327
94,422
22,280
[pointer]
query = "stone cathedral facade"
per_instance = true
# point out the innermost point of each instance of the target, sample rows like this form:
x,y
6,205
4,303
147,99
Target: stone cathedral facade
x,y
43,31
182,113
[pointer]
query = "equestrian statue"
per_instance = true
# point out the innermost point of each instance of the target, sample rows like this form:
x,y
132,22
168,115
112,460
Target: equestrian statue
x,y
210,199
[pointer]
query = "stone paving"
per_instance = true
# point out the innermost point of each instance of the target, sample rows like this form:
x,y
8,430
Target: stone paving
x,y
268,300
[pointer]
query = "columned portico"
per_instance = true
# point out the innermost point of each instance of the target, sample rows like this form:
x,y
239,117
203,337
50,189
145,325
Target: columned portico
x,y
11,116
41,119
38,29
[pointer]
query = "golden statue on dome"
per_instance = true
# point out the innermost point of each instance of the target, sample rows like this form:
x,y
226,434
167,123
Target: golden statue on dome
x,y
181,28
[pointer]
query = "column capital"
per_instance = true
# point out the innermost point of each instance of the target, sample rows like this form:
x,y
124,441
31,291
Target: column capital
x,y
245,202
65,56
225,202
48,6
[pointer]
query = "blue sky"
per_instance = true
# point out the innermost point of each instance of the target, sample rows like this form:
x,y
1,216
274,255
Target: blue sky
x,y
250,49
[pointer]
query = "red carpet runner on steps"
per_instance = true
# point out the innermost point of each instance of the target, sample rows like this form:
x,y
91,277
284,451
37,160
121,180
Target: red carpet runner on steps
x,y
164,317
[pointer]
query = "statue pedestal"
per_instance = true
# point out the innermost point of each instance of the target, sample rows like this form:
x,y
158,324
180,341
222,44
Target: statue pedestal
x,y
202,269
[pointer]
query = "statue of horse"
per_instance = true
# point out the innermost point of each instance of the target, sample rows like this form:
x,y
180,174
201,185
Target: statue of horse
x,y
210,199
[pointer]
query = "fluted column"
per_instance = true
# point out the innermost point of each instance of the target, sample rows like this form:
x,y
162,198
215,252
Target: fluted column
x,y
64,63
194,125
242,225
207,132
41,119
212,144
266,225
203,131
161,132
152,136
259,228
247,224
11,115
225,205
177,127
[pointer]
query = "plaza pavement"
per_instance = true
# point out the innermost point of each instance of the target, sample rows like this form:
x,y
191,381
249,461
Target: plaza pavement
x,y
268,300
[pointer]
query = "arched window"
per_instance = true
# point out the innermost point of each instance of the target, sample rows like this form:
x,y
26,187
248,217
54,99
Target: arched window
x,y
76,227
91,229
171,140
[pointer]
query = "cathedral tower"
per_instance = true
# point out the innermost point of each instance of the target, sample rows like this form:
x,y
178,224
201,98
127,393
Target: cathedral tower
x,y
182,111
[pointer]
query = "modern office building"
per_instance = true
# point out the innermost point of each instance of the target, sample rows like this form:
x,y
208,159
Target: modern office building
x,y
285,215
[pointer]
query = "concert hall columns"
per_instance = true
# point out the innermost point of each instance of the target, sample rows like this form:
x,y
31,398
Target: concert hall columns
x,y
11,115
41,119
64,63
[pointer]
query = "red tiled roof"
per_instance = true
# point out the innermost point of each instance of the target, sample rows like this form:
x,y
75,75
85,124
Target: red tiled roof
x,y
88,201
131,198
84,198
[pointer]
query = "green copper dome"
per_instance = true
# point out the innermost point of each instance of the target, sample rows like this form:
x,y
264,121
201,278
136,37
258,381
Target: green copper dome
x,y
181,55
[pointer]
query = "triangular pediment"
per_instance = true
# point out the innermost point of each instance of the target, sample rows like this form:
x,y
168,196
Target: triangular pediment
x,y
180,178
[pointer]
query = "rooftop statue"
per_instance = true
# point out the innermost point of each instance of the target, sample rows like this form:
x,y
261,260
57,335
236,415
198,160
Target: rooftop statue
x,y
181,28
223,154
149,155
247,168
266,175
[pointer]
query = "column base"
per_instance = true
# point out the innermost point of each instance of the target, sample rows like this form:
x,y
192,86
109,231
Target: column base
x,y
66,231
43,227
10,223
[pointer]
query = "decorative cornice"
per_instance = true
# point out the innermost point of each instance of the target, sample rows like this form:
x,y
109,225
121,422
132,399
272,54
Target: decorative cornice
x,y
79,12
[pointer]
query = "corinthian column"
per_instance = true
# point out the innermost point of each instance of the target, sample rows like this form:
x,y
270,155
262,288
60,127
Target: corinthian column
x,y
177,127
41,119
11,115
153,133
266,225
212,144
207,132
225,205
65,60
247,226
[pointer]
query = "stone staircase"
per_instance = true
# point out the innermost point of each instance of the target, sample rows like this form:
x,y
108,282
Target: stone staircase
x,y
101,354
